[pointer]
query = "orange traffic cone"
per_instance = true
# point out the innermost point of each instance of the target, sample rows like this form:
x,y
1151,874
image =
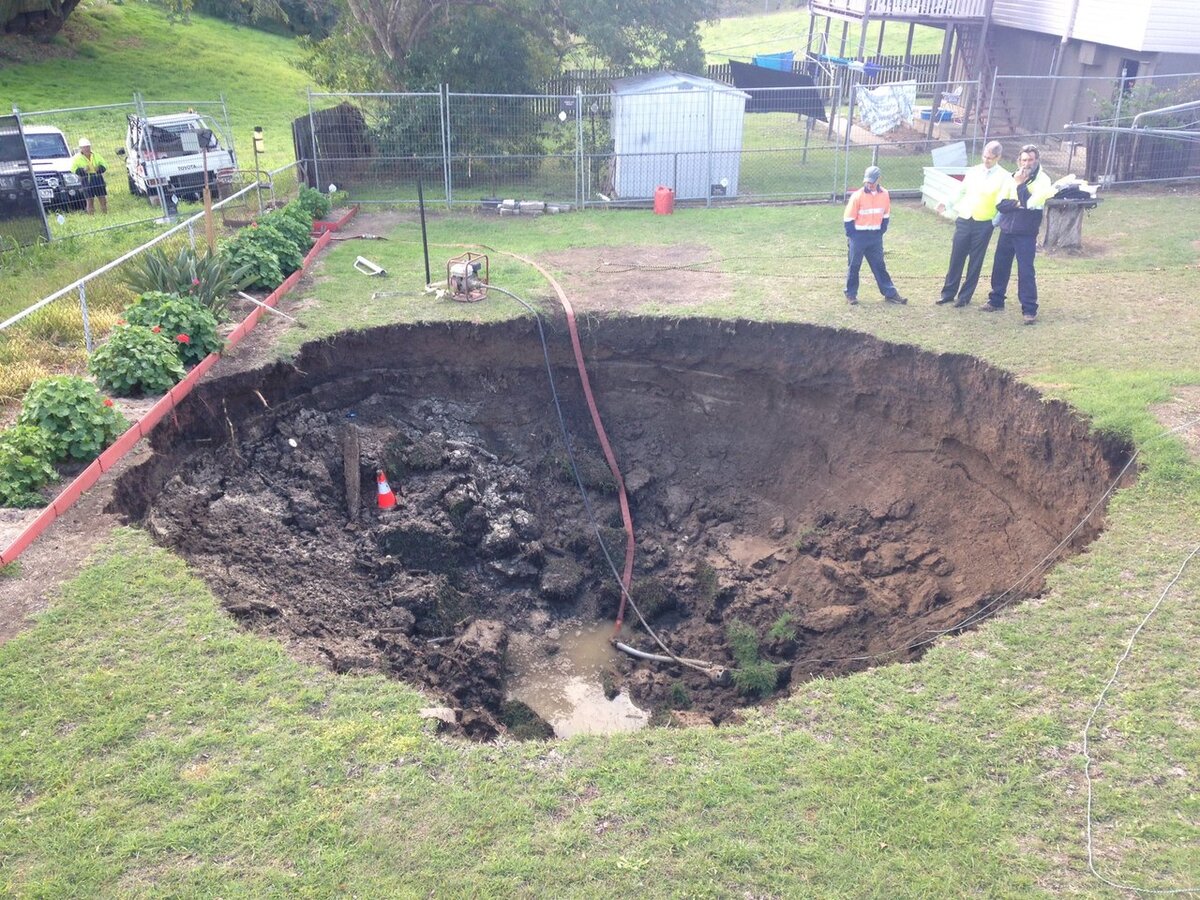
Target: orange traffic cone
x,y
387,500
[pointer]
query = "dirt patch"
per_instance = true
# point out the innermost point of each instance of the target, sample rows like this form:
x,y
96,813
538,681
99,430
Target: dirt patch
x,y
1182,413
627,278
806,501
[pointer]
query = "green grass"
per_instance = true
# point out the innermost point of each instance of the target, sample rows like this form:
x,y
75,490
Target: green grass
x,y
149,747
741,37
105,53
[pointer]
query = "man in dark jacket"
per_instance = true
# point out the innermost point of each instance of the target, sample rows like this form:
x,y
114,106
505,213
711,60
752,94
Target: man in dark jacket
x,y
1020,210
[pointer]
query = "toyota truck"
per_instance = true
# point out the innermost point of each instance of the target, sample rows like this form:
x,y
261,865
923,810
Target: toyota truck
x,y
170,152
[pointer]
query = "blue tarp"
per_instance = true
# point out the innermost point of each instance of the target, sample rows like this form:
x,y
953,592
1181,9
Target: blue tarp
x,y
780,61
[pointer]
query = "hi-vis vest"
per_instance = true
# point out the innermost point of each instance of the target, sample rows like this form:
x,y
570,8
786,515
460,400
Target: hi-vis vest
x,y
867,210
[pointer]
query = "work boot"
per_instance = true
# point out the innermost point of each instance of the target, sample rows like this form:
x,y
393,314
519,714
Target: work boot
x,y
960,303
896,298
1027,319
990,307
853,301
942,301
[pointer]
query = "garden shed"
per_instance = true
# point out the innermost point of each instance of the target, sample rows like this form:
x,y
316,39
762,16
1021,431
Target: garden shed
x,y
679,131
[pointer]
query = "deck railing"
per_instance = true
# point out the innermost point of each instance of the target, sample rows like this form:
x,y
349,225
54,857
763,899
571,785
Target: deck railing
x,y
903,9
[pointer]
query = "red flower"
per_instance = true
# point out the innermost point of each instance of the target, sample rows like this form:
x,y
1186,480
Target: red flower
x,y
108,401
156,329
195,281
120,321
183,339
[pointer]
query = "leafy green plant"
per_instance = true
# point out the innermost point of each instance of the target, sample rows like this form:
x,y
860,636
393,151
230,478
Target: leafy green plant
x,y
754,676
24,465
77,421
783,629
316,204
267,254
262,267
207,279
136,360
171,314
294,222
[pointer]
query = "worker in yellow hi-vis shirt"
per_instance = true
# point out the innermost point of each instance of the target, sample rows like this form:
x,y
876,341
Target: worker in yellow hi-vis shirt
x,y
982,188
90,167
866,220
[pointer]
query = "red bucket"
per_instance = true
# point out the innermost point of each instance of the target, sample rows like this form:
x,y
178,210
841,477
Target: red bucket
x,y
664,201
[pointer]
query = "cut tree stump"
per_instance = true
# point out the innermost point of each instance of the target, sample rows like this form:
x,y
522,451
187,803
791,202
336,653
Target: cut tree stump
x,y
1064,223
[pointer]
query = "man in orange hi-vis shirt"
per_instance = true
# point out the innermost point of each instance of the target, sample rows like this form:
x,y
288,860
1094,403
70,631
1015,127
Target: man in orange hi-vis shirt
x,y
866,222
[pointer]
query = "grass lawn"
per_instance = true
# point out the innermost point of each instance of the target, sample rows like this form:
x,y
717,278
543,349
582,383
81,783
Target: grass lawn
x,y
741,37
149,747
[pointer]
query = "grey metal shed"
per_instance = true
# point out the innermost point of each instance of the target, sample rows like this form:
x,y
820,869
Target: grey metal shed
x,y
679,131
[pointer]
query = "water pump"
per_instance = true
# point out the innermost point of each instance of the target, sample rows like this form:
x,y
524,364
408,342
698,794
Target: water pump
x,y
467,277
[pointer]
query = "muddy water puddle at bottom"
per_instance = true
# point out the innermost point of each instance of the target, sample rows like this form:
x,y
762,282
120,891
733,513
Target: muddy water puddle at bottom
x,y
565,688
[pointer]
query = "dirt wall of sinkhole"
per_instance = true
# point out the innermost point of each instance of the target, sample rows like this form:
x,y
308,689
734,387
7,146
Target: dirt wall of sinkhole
x,y
835,495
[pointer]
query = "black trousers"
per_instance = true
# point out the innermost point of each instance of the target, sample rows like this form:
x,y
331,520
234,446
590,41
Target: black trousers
x,y
1023,247
970,245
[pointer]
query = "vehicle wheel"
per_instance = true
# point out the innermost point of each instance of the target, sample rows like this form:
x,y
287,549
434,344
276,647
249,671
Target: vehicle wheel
x,y
132,185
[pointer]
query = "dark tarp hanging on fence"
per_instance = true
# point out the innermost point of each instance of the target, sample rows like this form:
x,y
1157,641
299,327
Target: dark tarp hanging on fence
x,y
765,87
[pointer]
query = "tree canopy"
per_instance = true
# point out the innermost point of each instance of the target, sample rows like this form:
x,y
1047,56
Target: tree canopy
x,y
501,45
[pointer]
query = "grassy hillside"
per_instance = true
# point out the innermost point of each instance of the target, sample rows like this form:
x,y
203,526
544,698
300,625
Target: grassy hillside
x,y
108,51
743,36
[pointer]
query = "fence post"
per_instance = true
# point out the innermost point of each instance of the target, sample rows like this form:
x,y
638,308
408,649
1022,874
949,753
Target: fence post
x,y
579,157
991,104
708,181
312,135
1112,144
444,108
87,327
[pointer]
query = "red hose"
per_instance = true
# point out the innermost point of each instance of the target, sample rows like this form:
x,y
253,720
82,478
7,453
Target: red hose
x,y
626,518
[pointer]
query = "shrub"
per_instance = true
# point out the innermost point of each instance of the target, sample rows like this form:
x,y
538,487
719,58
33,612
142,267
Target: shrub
x,y
753,676
76,420
267,254
293,222
174,315
314,203
136,360
208,279
260,264
24,465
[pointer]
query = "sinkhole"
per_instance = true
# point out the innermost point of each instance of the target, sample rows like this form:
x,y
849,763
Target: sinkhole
x,y
806,502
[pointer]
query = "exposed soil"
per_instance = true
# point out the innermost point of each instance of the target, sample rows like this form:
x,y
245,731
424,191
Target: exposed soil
x,y
843,498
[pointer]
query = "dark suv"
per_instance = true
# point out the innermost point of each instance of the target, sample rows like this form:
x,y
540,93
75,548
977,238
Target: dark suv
x,y
58,187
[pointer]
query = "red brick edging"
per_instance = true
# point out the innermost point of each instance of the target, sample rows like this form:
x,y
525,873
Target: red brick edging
x,y
141,428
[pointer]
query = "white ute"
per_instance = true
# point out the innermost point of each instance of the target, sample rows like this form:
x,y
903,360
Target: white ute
x,y
167,152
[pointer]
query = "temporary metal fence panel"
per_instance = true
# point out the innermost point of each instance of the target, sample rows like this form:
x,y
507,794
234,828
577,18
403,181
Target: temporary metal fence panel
x,y
513,146
22,219
1085,126
105,127
56,334
373,147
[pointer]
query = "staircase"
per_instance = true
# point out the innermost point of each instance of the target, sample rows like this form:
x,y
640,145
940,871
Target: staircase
x,y
996,115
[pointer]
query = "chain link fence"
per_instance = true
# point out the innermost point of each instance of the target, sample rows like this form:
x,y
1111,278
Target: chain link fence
x,y
56,335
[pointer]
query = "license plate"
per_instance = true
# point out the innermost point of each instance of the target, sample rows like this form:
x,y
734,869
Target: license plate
x,y
46,193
